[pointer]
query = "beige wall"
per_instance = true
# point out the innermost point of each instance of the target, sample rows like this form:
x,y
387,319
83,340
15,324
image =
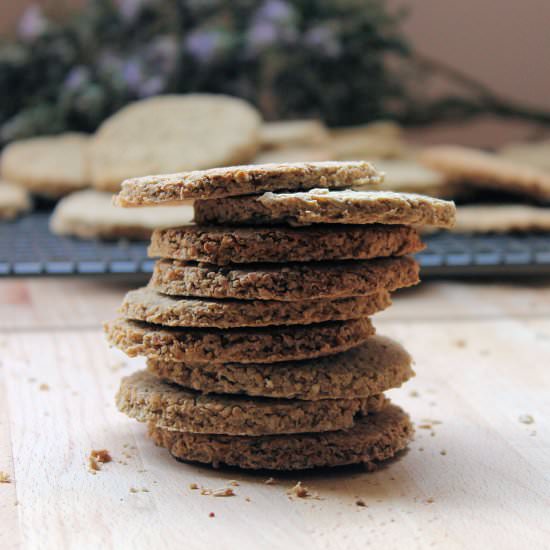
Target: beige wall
x,y
504,43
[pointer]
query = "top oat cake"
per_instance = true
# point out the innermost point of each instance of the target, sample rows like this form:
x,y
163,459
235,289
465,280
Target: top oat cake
x,y
328,207
487,170
244,180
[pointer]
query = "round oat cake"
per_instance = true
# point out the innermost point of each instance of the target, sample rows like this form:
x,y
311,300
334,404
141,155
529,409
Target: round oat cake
x,y
372,439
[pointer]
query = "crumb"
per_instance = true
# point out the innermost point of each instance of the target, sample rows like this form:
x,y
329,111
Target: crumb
x,y
44,387
443,452
425,426
134,490
360,502
270,481
193,486
223,493
211,515
432,434
144,490
247,499
234,483
430,500
206,491
420,448
102,456
4,477
414,393
97,458
526,419
460,343
299,490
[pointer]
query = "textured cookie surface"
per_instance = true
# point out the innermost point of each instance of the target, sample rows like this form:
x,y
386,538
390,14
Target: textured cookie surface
x,y
372,439
149,306
487,170
146,398
289,282
226,245
51,166
89,214
241,345
370,369
14,200
170,133
242,180
325,206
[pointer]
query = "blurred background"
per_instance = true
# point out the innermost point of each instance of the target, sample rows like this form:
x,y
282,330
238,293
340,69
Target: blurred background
x,y
385,81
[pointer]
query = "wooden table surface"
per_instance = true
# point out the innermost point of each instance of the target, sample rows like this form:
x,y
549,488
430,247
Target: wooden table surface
x,y
479,478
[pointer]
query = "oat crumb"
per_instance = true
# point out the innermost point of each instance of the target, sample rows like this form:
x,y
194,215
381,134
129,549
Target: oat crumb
x,y
299,490
526,419
425,426
193,486
44,387
443,452
460,343
97,458
234,483
134,490
430,500
270,481
414,393
4,477
360,502
205,491
248,499
227,492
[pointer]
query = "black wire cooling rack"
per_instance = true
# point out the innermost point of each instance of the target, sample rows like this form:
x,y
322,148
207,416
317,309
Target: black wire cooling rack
x,y
27,248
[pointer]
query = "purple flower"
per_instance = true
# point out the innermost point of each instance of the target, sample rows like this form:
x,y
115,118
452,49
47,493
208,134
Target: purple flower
x,y
262,35
151,86
162,54
276,11
32,24
203,45
132,73
323,39
130,9
77,76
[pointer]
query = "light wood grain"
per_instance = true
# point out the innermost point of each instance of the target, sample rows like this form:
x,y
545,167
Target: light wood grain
x,y
482,359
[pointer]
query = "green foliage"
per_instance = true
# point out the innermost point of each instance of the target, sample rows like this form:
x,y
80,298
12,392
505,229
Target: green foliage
x,y
344,61
296,58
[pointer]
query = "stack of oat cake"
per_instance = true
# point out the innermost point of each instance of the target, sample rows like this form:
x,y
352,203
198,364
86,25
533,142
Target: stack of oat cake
x,y
256,322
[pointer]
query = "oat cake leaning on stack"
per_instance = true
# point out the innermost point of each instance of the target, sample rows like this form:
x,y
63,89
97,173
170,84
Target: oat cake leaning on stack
x,y
256,322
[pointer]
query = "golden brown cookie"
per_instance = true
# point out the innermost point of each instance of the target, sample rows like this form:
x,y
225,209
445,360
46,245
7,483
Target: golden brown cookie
x,y
170,133
324,206
370,369
91,214
243,180
487,170
240,345
372,439
146,398
227,245
288,282
50,166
